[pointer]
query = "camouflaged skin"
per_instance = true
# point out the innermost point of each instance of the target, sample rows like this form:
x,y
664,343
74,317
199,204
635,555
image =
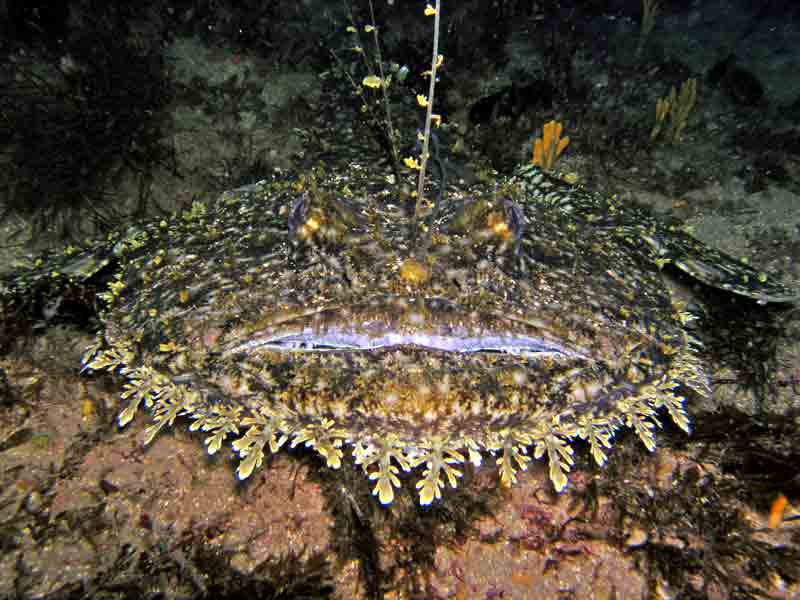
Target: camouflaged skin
x,y
526,319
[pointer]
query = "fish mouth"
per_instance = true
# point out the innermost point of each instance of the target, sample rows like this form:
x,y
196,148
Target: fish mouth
x,y
428,324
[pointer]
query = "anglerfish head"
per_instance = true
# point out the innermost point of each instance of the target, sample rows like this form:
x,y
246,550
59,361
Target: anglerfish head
x,y
499,328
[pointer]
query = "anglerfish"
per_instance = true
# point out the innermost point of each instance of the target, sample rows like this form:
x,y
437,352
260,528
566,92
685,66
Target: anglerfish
x,y
513,323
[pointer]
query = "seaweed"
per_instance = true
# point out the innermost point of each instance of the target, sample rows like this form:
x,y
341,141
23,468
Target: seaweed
x,y
73,124
699,538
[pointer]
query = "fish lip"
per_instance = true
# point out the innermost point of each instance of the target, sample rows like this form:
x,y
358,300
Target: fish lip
x,y
429,324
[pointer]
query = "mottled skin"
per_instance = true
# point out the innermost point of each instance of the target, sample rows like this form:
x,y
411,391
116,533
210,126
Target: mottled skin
x,y
304,313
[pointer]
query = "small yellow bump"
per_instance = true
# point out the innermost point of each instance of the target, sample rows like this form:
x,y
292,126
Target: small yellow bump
x,y
116,287
183,296
87,409
412,163
311,226
572,178
170,346
372,81
414,272
153,312
497,223
156,260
